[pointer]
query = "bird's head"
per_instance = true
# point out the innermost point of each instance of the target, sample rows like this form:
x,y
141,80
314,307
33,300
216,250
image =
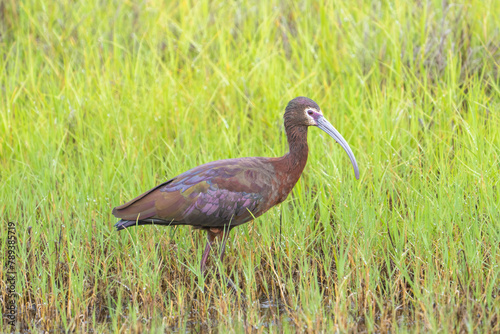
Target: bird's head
x,y
304,112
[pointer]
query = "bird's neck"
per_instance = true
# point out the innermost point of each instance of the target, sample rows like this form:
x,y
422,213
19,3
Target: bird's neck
x,y
295,160
290,166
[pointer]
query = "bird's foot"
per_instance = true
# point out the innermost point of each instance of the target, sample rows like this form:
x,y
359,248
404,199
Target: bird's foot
x,y
235,289
230,284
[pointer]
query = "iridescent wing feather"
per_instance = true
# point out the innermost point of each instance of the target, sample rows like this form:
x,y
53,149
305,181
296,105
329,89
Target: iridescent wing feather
x,y
220,193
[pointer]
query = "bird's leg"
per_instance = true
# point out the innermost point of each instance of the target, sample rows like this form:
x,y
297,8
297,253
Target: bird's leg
x,y
223,234
211,238
212,234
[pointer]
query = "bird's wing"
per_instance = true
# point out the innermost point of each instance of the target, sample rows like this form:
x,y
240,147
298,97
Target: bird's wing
x,y
215,194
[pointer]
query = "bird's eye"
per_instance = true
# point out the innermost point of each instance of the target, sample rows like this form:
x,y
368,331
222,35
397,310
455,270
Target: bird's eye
x,y
309,112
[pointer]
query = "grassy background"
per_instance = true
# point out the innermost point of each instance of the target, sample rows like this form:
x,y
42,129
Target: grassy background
x,y
102,100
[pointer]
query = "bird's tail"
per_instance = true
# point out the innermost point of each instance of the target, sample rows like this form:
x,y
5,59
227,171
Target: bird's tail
x,y
123,224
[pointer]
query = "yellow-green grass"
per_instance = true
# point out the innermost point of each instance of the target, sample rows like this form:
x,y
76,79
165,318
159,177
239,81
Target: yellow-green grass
x,y
102,100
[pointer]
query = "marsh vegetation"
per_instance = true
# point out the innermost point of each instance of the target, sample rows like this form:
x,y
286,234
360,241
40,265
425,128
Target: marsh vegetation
x,y
102,100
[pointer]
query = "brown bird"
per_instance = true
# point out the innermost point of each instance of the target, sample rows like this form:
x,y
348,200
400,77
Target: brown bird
x,y
221,195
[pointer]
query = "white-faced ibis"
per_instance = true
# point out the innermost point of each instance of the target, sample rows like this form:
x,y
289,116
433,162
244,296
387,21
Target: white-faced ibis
x,y
220,195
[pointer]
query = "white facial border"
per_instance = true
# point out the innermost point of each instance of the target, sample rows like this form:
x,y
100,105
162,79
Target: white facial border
x,y
311,120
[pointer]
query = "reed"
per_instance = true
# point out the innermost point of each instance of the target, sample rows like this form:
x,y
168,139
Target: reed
x,y
102,100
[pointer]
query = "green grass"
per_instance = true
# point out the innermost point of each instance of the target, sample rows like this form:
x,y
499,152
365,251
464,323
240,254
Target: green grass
x,y
101,100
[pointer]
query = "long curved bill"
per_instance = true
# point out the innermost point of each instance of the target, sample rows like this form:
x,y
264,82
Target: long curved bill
x,y
324,125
